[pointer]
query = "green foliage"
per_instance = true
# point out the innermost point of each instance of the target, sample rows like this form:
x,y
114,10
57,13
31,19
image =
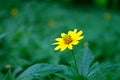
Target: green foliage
x,y
2,36
26,38
101,3
87,69
1,76
9,76
68,73
38,71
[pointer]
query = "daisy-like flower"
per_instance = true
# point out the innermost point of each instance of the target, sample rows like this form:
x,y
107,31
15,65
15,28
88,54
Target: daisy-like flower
x,y
14,11
68,40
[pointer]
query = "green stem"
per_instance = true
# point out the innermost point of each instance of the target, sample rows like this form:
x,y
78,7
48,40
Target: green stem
x,y
79,78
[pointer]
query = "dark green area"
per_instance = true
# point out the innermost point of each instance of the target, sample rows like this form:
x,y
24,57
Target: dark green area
x,y
28,28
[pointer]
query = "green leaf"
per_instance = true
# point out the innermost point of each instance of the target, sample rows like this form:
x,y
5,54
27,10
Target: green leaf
x,y
9,76
104,69
85,63
1,76
67,73
90,69
93,69
39,71
86,60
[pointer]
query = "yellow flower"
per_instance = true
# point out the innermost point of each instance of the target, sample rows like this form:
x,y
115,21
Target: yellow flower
x,y
51,23
8,66
14,11
68,40
107,16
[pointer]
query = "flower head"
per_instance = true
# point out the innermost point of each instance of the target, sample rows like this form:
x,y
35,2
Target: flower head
x,y
68,40
51,23
14,11
107,16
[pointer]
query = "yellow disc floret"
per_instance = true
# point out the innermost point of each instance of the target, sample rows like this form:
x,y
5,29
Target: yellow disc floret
x,y
67,39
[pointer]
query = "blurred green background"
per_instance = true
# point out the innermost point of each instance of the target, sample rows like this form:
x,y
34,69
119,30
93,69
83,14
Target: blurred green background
x,y
28,28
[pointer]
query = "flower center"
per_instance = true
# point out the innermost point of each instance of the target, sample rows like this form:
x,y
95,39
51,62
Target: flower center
x,y
67,39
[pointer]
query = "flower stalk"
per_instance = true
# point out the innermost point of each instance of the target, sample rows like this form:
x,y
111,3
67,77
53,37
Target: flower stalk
x,y
75,61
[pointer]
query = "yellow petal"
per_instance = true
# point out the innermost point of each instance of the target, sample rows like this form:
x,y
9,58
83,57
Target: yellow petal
x,y
75,30
81,37
56,48
58,39
70,46
63,48
79,33
71,33
63,34
55,43
75,42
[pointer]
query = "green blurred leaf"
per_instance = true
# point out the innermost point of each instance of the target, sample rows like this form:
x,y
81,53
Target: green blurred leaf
x,y
38,71
1,76
101,3
3,35
86,60
85,63
90,69
104,70
67,73
9,76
